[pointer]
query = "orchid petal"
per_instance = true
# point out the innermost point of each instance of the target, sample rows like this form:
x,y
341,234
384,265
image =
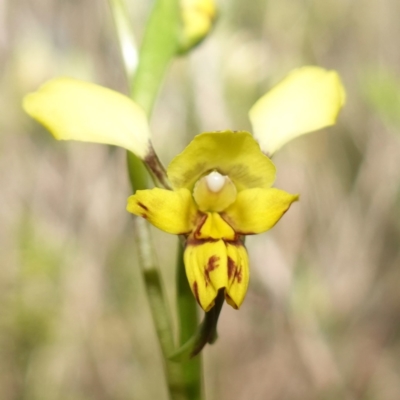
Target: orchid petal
x,y
238,274
308,99
257,210
206,270
76,110
172,212
233,154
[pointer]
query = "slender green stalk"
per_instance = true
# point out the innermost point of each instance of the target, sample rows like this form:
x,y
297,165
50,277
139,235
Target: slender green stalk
x,y
159,309
159,47
205,333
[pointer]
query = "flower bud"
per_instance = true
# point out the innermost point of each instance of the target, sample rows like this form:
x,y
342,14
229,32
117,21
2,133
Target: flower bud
x,y
198,17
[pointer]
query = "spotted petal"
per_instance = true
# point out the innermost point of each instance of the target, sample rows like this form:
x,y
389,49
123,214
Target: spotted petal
x,y
257,210
308,99
172,212
235,154
75,110
238,274
206,269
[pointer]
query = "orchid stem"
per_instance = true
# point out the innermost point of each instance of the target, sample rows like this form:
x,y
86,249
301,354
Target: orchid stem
x,y
159,309
159,47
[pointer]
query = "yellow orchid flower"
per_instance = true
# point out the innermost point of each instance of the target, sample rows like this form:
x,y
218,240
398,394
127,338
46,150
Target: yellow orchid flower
x,y
221,191
221,182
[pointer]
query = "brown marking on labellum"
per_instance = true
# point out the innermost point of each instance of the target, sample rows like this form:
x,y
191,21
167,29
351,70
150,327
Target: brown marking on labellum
x,y
231,267
234,271
144,215
142,206
238,275
196,291
211,266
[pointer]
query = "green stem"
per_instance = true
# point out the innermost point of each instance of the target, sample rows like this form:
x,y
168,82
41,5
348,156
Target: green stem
x,y
205,333
159,310
159,47
138,175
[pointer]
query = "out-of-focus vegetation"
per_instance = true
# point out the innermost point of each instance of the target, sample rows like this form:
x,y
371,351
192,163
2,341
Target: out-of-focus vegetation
x,y
321,318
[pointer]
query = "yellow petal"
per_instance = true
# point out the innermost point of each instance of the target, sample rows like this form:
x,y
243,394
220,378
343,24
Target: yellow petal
x,y
257,210
172,212
214,227
238,274
206,270
234,154
308,99
75,110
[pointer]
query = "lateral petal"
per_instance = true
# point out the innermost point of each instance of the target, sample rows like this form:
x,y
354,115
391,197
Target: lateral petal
x,y
76,110
257,210
233,154
206,270
308,99
238,274
171,211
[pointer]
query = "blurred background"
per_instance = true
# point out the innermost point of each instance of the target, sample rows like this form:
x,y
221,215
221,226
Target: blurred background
x,y
321,319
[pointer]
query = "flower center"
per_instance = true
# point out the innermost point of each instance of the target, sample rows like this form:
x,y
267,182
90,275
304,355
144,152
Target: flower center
x,y
214,192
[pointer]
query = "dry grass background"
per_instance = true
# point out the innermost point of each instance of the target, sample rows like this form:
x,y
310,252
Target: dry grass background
x,y
321,318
